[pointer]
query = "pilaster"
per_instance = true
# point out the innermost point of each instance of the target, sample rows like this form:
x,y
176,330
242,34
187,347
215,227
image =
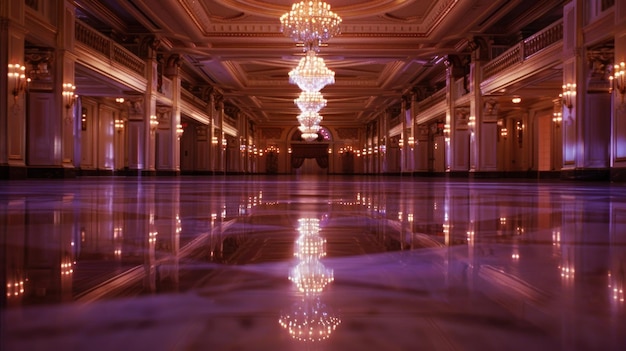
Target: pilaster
x,y
13,98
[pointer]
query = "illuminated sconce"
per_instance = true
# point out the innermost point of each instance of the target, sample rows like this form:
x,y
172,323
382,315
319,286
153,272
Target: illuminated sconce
x,y
557,117
618,79
569,95
154,123
330,150
214,140
83,119
446,131
504,132
516,100
119,100
411,142
69,97
179,130
346,149
119,125
471,122
272,149
17,77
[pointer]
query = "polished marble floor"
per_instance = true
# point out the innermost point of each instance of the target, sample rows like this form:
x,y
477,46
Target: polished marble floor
x,y
312,263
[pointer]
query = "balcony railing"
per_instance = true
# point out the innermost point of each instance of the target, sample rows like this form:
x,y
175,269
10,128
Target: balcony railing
x,y
434,99
524,50
106,47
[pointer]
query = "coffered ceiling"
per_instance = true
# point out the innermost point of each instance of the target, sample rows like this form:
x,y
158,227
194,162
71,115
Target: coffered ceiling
x,y
385,49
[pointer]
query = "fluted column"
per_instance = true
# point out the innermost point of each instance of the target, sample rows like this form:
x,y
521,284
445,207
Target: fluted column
x,y
12,106
65,64
618,148
586,114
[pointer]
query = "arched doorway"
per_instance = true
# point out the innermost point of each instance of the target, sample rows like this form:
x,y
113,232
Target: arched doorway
x,y
310,157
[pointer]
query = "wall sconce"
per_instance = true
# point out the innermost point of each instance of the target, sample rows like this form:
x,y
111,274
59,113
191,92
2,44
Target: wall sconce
x,y
557,117
83,119
272,149
119,100
569,95
618,79
471,122
179,130
154,123
504,132
446,132
516,100
119,125
411,142
68,95
17,77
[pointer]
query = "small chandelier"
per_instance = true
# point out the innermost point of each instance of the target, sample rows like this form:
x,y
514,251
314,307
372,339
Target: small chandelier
x,y
311,74
309,118
310,22
310,101
309,133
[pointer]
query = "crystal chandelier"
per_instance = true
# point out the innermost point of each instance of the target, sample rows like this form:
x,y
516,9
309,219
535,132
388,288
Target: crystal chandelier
x,y
309,118
310,22
311,74
310,101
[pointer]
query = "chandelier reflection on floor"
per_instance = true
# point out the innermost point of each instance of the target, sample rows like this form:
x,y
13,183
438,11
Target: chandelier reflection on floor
x,y
310,319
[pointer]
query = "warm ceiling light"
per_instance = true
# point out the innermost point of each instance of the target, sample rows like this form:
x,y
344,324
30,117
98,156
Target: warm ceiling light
x,y
311,74
310,22
309,118
516,100
310,101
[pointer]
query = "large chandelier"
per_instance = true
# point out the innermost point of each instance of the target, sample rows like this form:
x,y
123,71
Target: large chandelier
x,y
310,101
310,22
311,74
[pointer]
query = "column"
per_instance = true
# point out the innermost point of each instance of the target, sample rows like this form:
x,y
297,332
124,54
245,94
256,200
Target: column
x,y
483,115
618,147
150,123
65,87
586,114
12,100
219,136
169,143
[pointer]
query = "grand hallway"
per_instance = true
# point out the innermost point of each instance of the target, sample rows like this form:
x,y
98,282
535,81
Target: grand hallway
x,y
312,263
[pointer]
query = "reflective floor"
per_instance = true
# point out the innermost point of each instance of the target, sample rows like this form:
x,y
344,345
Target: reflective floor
x,y
312,263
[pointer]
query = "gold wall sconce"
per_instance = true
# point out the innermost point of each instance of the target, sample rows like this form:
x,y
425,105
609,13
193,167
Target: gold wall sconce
x,y
154,123
569,95
18,83
179,131
618,80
